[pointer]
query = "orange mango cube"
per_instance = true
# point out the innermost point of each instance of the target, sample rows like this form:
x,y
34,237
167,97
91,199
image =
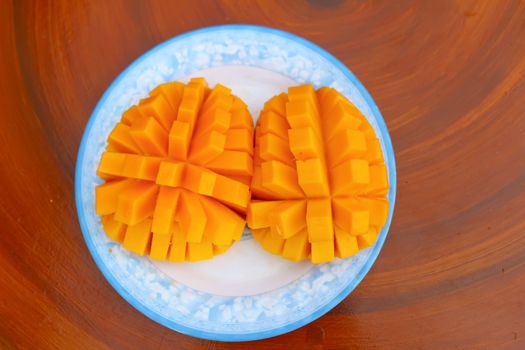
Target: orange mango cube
x,y
136,203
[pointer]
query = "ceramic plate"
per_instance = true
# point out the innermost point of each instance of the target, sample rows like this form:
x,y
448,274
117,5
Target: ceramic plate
x,y
245,294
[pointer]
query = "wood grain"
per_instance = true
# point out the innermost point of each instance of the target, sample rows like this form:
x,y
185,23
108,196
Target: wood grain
x,y
448,77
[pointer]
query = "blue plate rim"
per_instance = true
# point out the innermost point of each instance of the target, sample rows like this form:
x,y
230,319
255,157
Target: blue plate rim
x,y
321,311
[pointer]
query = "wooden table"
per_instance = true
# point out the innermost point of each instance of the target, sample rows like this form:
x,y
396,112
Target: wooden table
x,y
448,77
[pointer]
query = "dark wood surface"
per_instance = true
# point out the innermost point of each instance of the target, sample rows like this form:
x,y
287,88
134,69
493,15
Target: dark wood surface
x,y
448,77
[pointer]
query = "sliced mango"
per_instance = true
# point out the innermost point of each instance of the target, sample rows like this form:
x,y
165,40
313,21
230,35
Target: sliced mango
x,y
222,224
191,216
136,203
272,123
141,167
345,244
351,215
272,147
258,213
280,178
241,119
367,239
202,250
160,244
350,177
297,247
179,162
130,115
288,218
170,174
115,230
312,178
338,170
120,139
172,91
322,251
207,147
232,163
319,220
149,136
158,107
138,237
216,119
179,140
106,195
165,210
239,140
305,144
348,144
277,104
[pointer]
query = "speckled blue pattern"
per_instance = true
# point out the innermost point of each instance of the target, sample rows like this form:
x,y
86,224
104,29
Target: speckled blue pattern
x,y
136,279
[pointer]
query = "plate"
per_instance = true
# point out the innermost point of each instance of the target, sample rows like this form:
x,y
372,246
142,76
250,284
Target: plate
x,y
246,293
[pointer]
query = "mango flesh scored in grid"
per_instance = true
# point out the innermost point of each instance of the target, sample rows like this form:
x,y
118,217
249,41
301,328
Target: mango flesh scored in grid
x,y
312,177
149,136
366,240
232,163
257,189
280,178
207,147
345,244
107,195
199,180
322,251
347,144
160,244
130,115
277,104
120,139
179,140
239,140
138,237
172,91
272,244
338,173
217,119
242,179
350,177
319,220
222,224
288,218
179,163
158,107
219,99
165,209
231,192
272,147
220,249
111,164
304,144
238,104
113,228
192,217
258,213
136,203
241,119
297,247
202,250
141,167
351,216
170,174
271,123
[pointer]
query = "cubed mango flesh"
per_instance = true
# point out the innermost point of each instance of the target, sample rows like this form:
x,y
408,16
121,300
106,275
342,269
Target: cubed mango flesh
x,y
338,174
178,169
